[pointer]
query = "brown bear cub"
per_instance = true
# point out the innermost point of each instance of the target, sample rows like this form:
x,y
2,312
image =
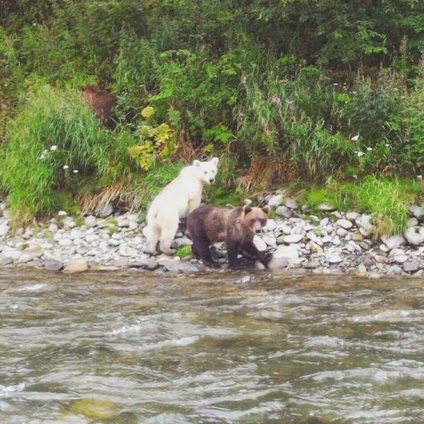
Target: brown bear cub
x,y
235,226
101,102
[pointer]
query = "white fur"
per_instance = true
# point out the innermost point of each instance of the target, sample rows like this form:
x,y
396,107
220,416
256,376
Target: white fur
x,y
177,200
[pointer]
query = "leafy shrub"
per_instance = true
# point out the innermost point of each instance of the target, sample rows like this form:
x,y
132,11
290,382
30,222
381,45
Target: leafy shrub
x,y
157,141
54,143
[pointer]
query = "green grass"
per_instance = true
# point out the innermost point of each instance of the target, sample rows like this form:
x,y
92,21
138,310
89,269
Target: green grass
x,y
386,199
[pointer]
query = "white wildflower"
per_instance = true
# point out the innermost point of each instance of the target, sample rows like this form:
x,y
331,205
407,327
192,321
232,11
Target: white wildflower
x,y
65,166
355,138
75,171
360,154
369,148
53,148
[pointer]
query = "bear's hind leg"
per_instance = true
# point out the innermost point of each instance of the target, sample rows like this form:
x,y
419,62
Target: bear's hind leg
x,y
201,250
169,229
152,235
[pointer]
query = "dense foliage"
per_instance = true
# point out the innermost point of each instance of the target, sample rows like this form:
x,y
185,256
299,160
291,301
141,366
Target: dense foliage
x,y
281,90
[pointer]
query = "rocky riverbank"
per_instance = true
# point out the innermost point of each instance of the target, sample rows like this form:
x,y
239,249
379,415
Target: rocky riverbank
x,y
328,241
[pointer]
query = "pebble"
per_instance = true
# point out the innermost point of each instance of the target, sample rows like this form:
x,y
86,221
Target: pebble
x,y
335,242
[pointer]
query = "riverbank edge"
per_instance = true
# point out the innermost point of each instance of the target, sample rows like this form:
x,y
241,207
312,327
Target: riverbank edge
x,y
325,242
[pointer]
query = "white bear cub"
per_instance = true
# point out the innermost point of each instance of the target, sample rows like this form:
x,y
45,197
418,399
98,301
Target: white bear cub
x,y
177,200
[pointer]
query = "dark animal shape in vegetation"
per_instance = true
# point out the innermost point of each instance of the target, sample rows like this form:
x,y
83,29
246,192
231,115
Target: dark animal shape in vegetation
x,y
101,102
235,226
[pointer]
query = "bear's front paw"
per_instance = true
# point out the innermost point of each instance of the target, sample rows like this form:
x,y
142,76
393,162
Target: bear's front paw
x,y
214,265
265,258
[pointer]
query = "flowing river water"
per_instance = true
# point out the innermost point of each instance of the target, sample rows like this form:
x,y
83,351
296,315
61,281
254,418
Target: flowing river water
x,y
221,347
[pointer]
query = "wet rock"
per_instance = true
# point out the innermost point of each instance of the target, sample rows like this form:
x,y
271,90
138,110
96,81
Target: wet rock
x,y
76,265
52,264
176,266
145,263
410,267
5,260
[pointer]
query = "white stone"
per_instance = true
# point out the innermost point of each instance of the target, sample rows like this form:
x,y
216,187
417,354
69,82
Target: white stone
x,y
271,225
335,259
90,221
260,244
292,238
289,252
4,229
344,223
393,242
275,201
92,238
341,232
65,242
125,250
25,258
415,235
76,265
269,240
352,216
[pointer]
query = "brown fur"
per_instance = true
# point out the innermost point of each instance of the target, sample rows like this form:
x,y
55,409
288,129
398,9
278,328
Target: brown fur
x,y
236,226
101,102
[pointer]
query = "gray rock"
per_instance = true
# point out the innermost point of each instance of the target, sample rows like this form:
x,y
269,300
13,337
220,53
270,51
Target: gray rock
x,y
145,263
415,235
5,260
104,211
324,207
335,259
178,266
410,267
291,203
284,211
275,201
417,212
90,221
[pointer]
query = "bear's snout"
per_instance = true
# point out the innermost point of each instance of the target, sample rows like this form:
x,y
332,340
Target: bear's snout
x,y
211,180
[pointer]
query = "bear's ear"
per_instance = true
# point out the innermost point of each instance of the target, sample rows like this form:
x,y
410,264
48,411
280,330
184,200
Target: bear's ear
x,y
246,209
197,163
215,161
265,209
